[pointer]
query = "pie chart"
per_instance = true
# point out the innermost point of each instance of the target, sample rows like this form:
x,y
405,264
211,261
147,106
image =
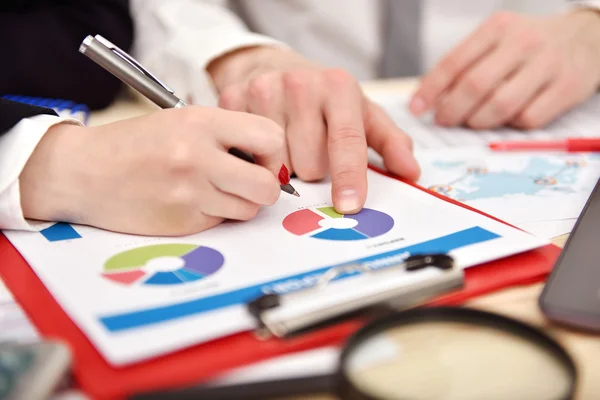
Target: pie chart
x,y
163,264
326,223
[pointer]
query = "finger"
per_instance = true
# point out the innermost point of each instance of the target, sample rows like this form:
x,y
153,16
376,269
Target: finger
x,y
264,97
253,134
478,82
306,133
224,205
554,100
242,179
233,98
347,143
395,146
512,96
443,75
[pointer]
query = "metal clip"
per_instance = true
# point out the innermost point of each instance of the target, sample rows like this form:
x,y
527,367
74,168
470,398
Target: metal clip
x,y
331,274
285,315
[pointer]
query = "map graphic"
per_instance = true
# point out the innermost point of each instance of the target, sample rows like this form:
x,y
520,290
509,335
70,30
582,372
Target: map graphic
x,y
163,264
539,175
326,223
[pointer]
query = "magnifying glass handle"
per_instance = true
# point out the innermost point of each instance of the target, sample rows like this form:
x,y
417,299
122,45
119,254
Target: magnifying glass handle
x,y
262,390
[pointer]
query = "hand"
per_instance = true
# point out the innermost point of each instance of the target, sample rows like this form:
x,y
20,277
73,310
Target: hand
x,y
328,121
518,70
165,173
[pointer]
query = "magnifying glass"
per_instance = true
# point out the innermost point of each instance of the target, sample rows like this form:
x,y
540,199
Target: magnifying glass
x,y
425,354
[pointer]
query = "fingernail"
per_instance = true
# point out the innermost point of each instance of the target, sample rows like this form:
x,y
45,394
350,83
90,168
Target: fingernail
x,y
347,201
417,105
284,175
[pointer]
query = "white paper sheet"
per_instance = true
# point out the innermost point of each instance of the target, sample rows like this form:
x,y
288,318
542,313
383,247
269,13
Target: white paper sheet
x,y
133,310
545,214
537,192
549,229
14,324
16,327
582,121
319,361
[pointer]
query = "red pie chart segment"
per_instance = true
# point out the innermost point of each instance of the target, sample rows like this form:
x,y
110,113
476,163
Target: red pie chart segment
x,y
302,222
125,277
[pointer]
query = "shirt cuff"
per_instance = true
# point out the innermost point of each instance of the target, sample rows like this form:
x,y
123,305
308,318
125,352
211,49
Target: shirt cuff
x,y
593,4
16,146
191,54
189,49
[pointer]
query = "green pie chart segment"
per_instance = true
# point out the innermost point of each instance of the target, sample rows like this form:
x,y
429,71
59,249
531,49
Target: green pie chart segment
x,y
140,256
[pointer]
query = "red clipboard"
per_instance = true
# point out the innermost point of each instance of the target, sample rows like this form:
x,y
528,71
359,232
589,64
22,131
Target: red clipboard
x,y
201,362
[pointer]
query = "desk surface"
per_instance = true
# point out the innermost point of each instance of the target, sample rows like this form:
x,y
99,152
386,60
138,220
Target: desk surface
x,y
518,302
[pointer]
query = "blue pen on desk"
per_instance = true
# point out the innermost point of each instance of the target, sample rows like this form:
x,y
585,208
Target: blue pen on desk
x,y
132,73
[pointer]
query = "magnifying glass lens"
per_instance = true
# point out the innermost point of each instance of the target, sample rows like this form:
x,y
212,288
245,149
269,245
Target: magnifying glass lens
x,y
454,360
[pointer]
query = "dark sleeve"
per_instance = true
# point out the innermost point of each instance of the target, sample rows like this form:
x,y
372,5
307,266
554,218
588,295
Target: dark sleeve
x,y
11,112
43,44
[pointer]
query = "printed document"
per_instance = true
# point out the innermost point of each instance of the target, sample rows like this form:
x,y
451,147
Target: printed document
x,y
14,324
138,297
582,121
542,192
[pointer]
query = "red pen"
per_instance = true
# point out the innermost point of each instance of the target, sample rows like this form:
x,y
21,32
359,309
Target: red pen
x,y
283,176
284,180
571,145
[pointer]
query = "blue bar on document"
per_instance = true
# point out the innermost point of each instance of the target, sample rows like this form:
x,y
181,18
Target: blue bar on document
x,y
60,231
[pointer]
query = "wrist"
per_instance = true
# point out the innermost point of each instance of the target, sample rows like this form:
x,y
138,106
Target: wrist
x,y
588,20
233,66
52,184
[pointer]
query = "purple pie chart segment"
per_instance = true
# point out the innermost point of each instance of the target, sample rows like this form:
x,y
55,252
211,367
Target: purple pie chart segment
x,y
371,222
203,260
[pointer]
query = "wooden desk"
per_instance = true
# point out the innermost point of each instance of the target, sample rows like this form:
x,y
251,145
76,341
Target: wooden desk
x,y
518,302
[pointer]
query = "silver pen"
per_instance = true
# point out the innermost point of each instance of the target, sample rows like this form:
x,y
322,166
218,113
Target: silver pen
x,y
128,70
131,72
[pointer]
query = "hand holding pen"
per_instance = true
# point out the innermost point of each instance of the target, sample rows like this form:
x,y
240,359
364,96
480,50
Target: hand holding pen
x,y
129,71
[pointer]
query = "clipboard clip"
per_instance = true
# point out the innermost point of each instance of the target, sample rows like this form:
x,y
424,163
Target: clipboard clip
x,y
397,287
124,56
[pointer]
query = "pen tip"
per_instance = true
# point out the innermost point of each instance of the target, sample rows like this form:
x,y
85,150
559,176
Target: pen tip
x,y
296,194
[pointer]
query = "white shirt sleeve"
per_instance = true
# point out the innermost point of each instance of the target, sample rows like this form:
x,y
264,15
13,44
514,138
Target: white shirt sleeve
x,y
177,39
594,4
588,3
16,146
